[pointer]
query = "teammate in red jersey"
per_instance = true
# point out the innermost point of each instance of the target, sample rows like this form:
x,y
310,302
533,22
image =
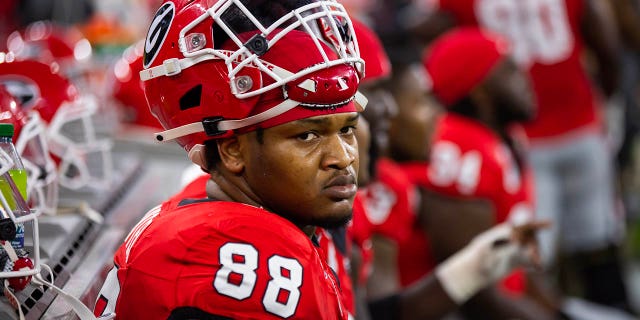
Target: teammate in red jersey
x,y
475,177
390,200
571,161
384,207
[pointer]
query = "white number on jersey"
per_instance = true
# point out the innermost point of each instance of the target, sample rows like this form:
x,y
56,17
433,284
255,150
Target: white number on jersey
x,y
520,214
379,202
237,278
538,30
239,262
449,166
283,291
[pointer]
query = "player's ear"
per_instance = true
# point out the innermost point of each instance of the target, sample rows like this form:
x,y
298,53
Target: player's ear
x,y
231,155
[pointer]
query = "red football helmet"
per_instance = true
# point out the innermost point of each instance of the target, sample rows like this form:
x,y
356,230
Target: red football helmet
x,y
31,144
52,44
372,52
84,159
216,68
126,88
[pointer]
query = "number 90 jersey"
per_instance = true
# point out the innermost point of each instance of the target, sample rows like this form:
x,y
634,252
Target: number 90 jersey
x,y
219,258
468,160
545,40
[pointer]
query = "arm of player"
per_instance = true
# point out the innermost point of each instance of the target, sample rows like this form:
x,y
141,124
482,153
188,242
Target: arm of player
x,y
599,30
442,215
628,18
490,256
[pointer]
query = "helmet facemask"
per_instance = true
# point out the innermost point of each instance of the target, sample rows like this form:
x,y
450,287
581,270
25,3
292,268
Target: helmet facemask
x,y
85,158
42,180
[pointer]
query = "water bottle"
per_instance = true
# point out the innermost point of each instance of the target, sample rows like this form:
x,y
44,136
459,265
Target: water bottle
x,y
14,182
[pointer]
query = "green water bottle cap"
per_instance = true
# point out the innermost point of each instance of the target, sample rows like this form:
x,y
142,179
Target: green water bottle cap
x,y
6,130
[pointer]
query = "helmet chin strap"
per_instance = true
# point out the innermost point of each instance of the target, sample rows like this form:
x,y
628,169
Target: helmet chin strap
x,y
284,106
225,125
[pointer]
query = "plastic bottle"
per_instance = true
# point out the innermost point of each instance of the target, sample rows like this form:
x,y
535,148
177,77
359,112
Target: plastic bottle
x,y
17,182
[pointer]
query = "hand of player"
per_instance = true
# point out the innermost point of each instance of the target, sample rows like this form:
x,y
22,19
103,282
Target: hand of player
x,y
489,257
525,236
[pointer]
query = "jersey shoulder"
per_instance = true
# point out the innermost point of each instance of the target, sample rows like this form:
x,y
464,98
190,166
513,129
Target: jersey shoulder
x,y
466,133
168,230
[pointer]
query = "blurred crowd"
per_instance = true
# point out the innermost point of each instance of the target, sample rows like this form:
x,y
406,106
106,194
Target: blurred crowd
x,y
485,111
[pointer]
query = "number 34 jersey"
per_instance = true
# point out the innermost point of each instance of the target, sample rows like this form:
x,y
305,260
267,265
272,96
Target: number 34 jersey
x,y
467,160
219,258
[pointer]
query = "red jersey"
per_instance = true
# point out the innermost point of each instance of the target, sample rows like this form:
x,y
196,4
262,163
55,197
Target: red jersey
x,y
468,160
387,207
359,233
546,40
219,258
388,203
333,244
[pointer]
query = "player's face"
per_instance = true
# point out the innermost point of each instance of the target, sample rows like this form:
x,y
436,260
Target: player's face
x,y
512,93
411,128
306,170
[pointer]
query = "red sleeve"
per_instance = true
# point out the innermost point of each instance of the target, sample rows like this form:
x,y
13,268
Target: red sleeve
x,y
360,227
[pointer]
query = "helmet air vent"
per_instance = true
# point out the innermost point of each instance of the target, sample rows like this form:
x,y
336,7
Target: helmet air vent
x,y
191,98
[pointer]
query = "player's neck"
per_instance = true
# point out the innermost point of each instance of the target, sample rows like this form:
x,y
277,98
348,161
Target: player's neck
x,y
221,187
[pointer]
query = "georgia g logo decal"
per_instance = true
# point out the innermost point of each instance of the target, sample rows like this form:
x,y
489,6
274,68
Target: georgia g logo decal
x,y
158,32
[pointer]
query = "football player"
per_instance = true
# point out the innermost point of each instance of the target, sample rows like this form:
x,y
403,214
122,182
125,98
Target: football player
x,y
475,175
263,96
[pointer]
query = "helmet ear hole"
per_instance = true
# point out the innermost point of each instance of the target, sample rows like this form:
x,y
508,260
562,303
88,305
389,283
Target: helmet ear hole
x,y
191,98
